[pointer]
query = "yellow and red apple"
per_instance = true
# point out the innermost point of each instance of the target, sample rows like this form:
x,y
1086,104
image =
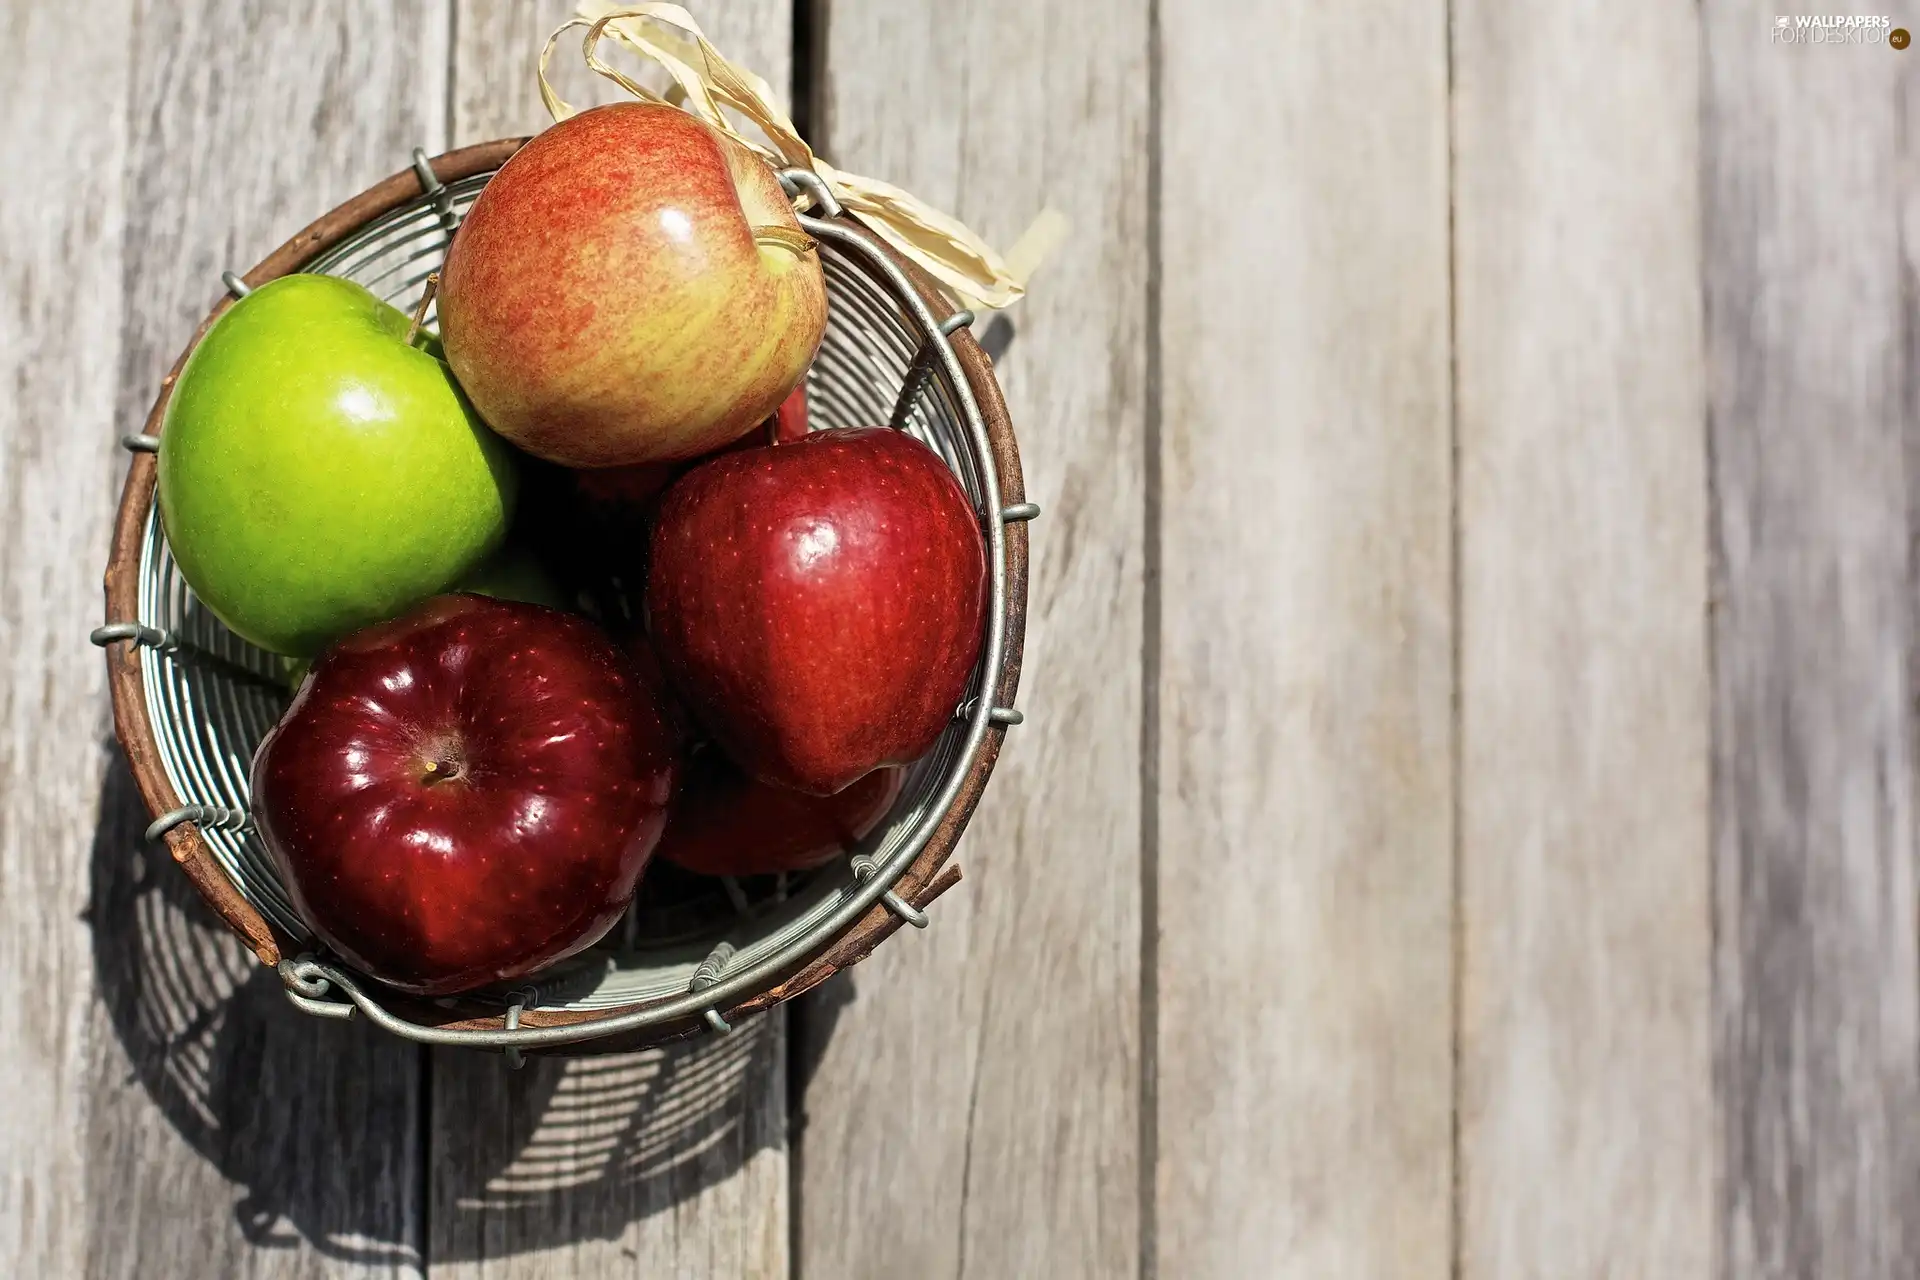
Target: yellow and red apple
x,y
631,287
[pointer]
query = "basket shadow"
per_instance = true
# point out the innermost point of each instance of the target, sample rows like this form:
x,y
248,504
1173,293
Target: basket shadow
x,y
314,1125
567,1150
376,1151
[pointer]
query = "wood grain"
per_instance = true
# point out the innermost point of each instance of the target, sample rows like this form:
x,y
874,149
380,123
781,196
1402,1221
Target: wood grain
x,y
1586,1105
228,1134
669,1162
1812,223
1303,765
62,211
1684,972
973,1111
497,46
664,1162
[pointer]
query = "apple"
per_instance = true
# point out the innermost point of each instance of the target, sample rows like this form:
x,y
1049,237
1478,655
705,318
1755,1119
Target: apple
x,y
632,286
318,473
790,419
818,605
627,493
687,734
467,794
593,523
512,573
620,492
727,824
590,526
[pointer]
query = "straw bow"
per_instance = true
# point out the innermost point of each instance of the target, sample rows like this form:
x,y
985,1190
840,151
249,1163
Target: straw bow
x,y
706,84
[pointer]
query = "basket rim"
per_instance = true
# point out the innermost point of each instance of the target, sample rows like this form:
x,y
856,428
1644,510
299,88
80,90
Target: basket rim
x,y
928,876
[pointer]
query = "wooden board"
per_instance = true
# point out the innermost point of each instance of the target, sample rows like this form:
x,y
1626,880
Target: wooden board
x,y
973,1111
62,211
1810,203
1585,1092
228,1135
496,48
1303,768
667,1162
1402,872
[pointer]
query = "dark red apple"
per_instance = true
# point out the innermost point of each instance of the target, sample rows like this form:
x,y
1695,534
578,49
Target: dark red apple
x,y
687,733
818,606
466,794
790,420
727,824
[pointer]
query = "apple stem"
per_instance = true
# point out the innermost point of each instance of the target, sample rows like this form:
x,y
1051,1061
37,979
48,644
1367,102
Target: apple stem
x,y
420,307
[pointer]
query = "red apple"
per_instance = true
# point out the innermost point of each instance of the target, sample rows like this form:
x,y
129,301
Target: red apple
x,y
818,606
466,794
790,419
688,737
631,287
726,824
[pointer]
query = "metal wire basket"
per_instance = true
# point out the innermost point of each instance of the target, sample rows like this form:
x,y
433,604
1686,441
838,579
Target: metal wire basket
x,y
192,701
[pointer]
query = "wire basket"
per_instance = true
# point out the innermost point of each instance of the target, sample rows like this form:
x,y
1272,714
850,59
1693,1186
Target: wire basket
x,y
192,700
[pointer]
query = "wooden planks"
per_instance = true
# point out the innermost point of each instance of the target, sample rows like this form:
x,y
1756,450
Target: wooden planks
x,y
975,1111
668,1162
226,1134
1585,1103
1659,1073
61,216
1303,764
665,1162
1810,204
497,46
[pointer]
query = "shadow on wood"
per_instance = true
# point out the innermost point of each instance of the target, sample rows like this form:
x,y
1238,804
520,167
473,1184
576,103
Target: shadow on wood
x,y
323,1130
567,1151
816,1014
315,1125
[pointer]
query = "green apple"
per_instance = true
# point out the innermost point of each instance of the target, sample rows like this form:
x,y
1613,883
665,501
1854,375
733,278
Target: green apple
x,y
319,473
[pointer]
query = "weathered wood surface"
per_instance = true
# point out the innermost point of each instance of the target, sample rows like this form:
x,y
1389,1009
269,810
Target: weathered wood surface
x,y
1585,1105
61,218
1347,906
497,46
976,1111
1810,218
669,1162
225,1137
1305,693
167,1118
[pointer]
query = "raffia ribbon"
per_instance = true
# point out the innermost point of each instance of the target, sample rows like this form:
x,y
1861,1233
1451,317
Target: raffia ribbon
x,y
706,84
